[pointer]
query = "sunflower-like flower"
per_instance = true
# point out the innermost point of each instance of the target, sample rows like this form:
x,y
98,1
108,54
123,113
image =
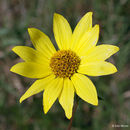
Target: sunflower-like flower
x,y
61,74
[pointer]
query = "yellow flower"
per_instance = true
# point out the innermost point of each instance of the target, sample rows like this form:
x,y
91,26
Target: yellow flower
x,y
61,73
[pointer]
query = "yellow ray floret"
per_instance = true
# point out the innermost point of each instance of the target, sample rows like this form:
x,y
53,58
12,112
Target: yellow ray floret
x,y
62,31
31,70
29,54
85,89
98,68
88,41
82,27
38,86
66,97
41,42
99,53
51,93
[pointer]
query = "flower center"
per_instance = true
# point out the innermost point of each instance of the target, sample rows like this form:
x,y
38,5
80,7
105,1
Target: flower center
x,y
64,63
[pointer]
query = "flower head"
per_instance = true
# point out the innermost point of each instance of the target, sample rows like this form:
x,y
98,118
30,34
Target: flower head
x,y
61,73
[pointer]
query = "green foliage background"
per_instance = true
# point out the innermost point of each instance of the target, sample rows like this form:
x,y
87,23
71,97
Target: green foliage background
x,y
16,16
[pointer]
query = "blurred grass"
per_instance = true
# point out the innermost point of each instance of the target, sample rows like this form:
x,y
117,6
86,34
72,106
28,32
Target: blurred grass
x,y
16,16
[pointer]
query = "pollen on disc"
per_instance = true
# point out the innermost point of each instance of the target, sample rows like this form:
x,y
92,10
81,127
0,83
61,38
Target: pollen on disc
x,y
64,63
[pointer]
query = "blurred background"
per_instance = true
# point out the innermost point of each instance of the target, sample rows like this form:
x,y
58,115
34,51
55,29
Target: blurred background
x,y
16,16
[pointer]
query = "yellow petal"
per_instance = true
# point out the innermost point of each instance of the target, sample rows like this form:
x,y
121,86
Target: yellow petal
x,y
41,42
97,68
31,70
51,93
30,55
100,53
37,87
82,27
85,89
66,98
62,31
88,41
